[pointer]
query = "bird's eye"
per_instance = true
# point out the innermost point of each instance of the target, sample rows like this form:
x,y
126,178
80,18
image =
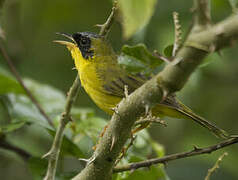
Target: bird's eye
x,y
84,41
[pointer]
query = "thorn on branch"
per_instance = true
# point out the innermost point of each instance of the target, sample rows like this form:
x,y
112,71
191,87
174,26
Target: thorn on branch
x,y
165,164
88,161
99,25
115,110
172,157
83,160
165,94
160,56
126,92
195,148
105,28
147,110
47,155
113,142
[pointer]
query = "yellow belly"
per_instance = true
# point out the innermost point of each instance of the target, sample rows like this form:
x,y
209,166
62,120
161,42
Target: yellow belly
x,y
93,85
104,101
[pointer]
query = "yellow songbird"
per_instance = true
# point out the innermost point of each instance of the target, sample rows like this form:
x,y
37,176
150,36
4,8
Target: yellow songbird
x,y
104,80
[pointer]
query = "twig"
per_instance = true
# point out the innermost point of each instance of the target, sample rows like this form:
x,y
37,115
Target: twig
x,y
194,152
203,14
53,154
233,5
160,56
216,166
124,150
105,28
151,120
18,77
177,34
6,145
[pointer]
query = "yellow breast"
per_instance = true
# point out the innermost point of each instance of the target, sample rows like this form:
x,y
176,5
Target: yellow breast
x,y
93,83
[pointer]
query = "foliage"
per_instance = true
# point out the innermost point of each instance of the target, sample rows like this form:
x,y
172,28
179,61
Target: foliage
x,y
30,26
137,59
135,15
81,135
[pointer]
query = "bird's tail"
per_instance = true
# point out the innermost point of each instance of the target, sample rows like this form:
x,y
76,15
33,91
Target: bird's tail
x,y
183,112
203,122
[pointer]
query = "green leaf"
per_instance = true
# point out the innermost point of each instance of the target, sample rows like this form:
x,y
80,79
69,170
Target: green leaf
x,y
135,15
138,59
8,84
51,99
153,173
141,53
66,175
158,148
90,126
209,59
21,107
168,51
11,127
37,167
69,147
143,147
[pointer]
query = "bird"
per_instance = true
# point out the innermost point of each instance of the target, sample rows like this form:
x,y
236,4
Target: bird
x,y
104,80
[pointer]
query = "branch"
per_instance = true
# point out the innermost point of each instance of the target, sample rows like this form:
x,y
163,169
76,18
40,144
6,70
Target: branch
x,y
170,80
216,166
18,77
6,145
196,151
53,154
203,14
105,28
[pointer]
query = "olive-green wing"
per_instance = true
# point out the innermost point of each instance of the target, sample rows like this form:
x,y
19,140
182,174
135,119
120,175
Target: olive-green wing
x,y
170,107
116,86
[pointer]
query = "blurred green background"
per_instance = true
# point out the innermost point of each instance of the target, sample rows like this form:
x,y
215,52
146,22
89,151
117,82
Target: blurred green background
x,y
212,91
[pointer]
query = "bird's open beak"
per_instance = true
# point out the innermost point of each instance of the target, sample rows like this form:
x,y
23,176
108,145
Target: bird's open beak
x,y
67,43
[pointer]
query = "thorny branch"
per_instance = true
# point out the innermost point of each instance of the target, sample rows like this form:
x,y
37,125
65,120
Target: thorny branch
x,y
105,28
196,151
53,154
171,79
216,166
